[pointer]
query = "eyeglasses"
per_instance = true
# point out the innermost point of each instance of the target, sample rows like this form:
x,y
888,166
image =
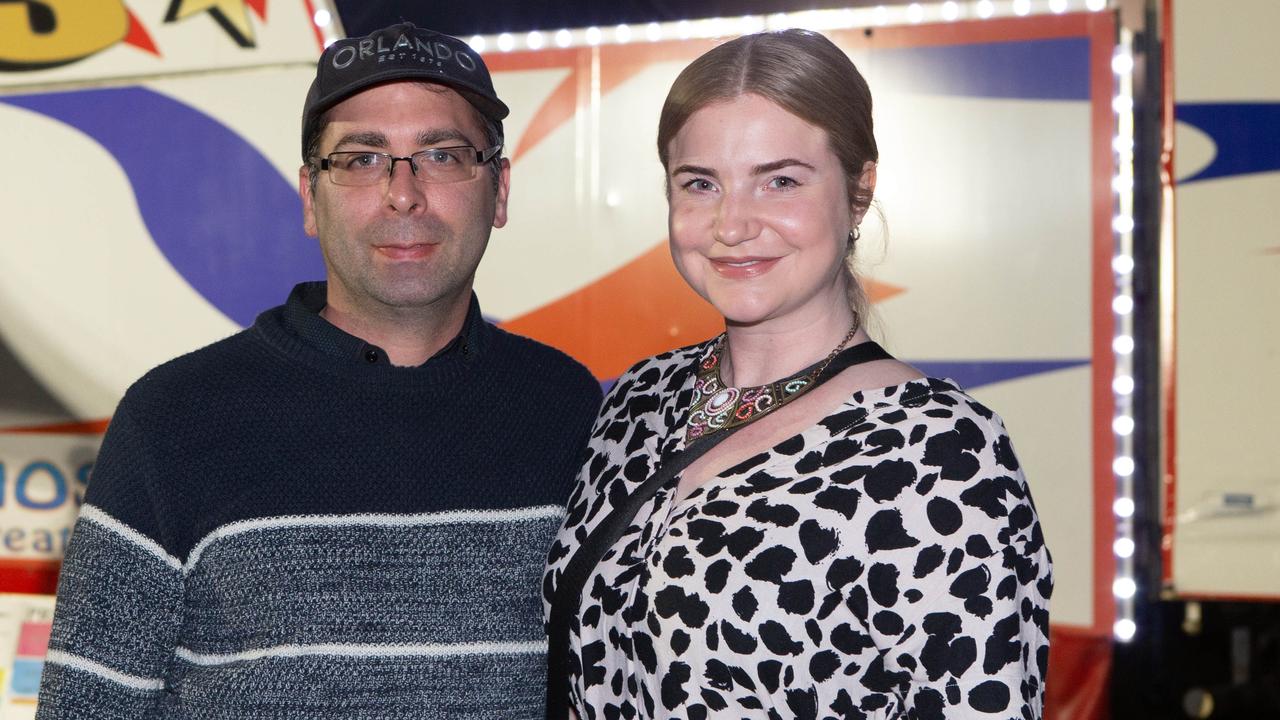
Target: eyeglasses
x,y
433,165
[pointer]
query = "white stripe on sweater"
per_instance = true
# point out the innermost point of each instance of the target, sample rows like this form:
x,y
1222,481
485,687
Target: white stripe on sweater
x,y
539,512
58,657
354,650
99,517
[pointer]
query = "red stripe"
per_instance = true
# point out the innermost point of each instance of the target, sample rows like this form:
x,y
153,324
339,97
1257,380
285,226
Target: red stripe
x,y
311,18
1102,35
39,577
1079,682
79,427
1168,303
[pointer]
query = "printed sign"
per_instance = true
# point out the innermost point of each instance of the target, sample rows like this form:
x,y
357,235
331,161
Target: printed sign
x,y
54,41
1222,406
25,621
187,224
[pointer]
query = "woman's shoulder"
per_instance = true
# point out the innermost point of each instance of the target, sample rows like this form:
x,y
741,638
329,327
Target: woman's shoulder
x,y
656,372
932,397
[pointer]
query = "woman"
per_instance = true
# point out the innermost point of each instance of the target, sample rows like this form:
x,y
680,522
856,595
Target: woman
x,y
784,521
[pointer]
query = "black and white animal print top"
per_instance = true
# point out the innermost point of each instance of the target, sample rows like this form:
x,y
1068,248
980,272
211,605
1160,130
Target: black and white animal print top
x,y
885,563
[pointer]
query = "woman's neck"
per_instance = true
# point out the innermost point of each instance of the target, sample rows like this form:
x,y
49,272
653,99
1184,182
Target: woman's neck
x,y
765,352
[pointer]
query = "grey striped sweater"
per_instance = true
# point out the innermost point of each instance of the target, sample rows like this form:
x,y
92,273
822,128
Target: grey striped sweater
x,y
278,528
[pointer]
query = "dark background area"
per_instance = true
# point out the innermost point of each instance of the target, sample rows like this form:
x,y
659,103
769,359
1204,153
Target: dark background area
x,y
486,17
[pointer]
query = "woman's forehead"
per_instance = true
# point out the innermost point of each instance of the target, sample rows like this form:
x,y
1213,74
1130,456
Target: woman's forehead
x,y
748,130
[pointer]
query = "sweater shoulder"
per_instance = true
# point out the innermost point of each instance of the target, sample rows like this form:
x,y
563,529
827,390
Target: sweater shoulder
x,y
545,365
219,363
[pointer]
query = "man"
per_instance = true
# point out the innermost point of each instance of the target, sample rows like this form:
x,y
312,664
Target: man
x,y
343,511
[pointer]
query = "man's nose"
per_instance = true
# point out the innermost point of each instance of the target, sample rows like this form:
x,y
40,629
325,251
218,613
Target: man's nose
x,y
404,193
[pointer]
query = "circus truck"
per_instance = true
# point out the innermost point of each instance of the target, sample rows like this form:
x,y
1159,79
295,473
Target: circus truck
x,y
150,207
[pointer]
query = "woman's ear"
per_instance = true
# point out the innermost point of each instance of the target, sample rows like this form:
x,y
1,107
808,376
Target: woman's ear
x,y
866,189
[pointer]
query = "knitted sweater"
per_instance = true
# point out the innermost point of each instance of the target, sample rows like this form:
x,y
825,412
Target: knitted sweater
x,y
280,527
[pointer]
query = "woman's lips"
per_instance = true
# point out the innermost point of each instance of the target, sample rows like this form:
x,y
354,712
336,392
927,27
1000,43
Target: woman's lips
x,y
743,267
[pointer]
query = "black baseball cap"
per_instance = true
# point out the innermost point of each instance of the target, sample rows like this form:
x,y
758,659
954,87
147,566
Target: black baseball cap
x,y
398,52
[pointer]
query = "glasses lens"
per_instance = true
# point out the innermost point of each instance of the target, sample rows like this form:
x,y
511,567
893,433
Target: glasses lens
x,y
445,165
357,168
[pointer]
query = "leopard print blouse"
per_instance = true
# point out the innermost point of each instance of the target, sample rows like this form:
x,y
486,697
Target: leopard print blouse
x,y
886,562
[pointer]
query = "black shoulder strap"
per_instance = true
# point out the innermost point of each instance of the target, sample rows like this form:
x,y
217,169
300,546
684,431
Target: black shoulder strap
x,y
568,595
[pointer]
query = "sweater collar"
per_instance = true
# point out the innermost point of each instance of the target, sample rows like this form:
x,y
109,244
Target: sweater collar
x,y
301,318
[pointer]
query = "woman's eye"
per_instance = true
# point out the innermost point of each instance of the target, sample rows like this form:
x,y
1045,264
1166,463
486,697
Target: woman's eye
x,y
783,182
698,184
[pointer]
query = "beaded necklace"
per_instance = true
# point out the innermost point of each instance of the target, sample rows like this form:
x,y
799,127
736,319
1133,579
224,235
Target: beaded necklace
x,y
717,406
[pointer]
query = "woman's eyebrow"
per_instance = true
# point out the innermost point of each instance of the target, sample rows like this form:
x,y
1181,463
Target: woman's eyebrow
x,y
779,164
693,170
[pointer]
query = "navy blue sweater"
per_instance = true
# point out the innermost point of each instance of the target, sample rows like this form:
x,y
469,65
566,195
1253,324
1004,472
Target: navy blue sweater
x,y
282,525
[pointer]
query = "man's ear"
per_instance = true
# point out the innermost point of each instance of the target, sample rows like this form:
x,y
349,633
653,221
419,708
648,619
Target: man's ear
x,y
504,189
308,201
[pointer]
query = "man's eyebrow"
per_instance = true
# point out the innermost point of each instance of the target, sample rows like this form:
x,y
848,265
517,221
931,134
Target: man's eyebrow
x,y
694,170
778,165
363,137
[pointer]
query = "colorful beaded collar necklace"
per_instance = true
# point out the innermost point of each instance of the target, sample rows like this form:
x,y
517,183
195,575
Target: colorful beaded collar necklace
x,y
717,406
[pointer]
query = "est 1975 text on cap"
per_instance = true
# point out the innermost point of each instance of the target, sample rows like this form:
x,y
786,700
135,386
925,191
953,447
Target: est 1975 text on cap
x,y
399,52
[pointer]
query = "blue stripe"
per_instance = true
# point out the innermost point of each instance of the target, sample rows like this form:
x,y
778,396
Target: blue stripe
x,y
976,373
1056,69
216,207
1245,135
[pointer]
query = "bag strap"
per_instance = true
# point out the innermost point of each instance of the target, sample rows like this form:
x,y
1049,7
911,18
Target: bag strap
x,y
568,595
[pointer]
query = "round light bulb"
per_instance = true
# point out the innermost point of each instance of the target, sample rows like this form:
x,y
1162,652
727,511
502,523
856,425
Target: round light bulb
x,y
1122,63
1123,507
1123,385
1122,466
1124,588
1122,425
1123,547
